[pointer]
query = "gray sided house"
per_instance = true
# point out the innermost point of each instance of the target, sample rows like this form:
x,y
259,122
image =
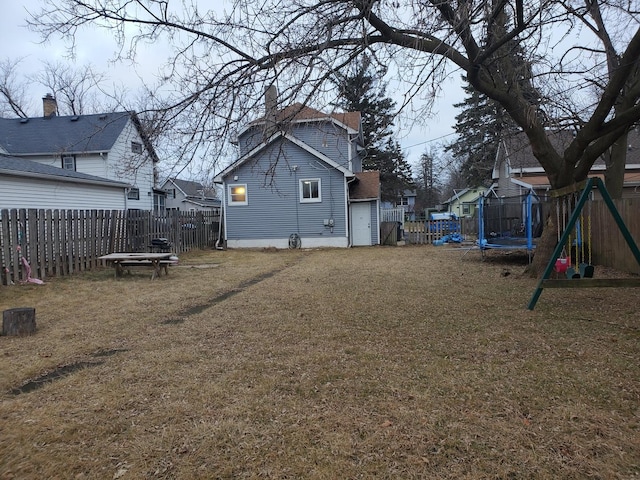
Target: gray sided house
x,y
516,170
27,184
299,175
111,146
189,196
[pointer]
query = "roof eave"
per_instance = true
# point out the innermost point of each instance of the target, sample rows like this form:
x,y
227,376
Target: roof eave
x,y
44,176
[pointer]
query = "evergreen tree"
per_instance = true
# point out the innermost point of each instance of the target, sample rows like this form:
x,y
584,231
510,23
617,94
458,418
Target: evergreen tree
x,y
363,91
479,126
428,191
483,123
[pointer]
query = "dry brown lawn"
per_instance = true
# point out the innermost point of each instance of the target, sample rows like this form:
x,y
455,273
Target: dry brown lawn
x,y
400,363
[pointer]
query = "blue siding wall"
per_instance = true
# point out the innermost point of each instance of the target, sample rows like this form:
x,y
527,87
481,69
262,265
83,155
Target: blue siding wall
x,y
274,209
325,137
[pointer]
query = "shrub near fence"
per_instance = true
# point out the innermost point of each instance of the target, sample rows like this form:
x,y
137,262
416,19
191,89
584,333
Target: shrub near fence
x,y
60,242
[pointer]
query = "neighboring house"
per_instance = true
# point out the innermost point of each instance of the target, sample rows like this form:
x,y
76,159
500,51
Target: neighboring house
x,y
185,195
27,184
517,171
299,176
407,201
110,145
464,202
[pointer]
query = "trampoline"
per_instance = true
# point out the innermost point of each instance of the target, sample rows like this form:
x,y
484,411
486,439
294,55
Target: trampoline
x,y
509,223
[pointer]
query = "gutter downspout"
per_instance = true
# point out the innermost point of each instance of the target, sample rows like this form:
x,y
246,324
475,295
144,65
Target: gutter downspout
x,y
223,216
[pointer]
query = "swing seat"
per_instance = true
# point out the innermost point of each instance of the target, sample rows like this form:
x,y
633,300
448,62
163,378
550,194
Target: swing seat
x,y
562,264
571,273
586,270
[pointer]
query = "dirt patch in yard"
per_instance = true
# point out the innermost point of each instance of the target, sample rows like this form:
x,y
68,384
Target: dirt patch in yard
x,y
413,362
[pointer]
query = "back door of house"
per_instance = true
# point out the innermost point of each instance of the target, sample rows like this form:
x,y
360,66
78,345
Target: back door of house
x,y
360,224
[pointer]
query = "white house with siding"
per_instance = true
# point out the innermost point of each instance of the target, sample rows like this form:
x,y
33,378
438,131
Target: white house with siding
x,y
299,179
111,146
27,184
189,196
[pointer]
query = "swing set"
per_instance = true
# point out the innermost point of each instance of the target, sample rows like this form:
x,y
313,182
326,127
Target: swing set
x,y
572,245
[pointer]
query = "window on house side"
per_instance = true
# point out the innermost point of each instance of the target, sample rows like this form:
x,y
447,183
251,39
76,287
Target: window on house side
x,y
136,147
69,163
134,193
310,190
466,210
238,194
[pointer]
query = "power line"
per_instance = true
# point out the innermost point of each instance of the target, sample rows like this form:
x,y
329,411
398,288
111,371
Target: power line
x,y
429,141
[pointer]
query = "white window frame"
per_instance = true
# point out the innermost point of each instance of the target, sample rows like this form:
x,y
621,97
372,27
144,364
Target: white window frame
x,y
133,193
231,201
317,199
72,162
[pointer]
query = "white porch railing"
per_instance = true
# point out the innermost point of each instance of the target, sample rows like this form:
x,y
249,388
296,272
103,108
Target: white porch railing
x,y
392,215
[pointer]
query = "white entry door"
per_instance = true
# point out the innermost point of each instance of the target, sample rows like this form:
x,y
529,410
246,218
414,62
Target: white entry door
x,y
360,224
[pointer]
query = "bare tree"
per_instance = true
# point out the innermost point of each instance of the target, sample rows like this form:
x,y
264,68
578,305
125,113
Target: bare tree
x,y
222,61
75,89
13,90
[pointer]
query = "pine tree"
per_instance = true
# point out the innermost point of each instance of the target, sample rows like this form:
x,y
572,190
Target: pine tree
x,y
483,123
479,127
364,91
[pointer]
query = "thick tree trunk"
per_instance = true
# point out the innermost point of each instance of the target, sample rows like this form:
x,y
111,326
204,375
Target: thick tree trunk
x,y
544,247
614,175
19,321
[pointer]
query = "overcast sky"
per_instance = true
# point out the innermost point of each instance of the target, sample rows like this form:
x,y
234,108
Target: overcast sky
x,y
97,48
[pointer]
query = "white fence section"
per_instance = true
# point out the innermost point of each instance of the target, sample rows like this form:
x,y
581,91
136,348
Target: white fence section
x,y
392,215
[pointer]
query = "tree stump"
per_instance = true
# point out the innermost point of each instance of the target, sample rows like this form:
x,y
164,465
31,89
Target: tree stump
x,y
19,321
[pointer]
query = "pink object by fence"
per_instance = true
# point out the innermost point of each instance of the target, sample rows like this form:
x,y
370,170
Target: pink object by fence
x,y
27,269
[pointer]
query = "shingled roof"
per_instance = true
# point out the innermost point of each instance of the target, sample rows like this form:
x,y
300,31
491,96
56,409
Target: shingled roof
x,y
72,134
366,187
20,167
298,112
521,156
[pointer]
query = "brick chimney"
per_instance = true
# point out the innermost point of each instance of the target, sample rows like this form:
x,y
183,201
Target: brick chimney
x,y
49,105
271,108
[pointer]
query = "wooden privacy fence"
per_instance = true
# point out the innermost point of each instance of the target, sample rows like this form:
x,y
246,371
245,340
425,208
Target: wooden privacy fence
x,y
60,242
430,231
608,246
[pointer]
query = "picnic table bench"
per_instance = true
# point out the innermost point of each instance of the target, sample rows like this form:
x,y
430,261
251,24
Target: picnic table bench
x,y
125,260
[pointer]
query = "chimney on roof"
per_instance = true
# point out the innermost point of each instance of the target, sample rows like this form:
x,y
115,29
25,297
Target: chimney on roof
x,y
270,110
49,106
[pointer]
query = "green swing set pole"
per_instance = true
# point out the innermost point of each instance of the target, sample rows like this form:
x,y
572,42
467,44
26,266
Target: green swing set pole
x,y
563,239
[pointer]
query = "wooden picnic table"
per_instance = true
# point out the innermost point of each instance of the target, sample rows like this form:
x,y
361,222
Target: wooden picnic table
x,y
124,260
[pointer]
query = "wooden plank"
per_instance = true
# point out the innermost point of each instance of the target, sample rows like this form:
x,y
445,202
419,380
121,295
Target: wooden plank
x,y
592,283
79,239
72,235
48,245
575,188
56,244
15,237
32,242
7,250
93,239
40,246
